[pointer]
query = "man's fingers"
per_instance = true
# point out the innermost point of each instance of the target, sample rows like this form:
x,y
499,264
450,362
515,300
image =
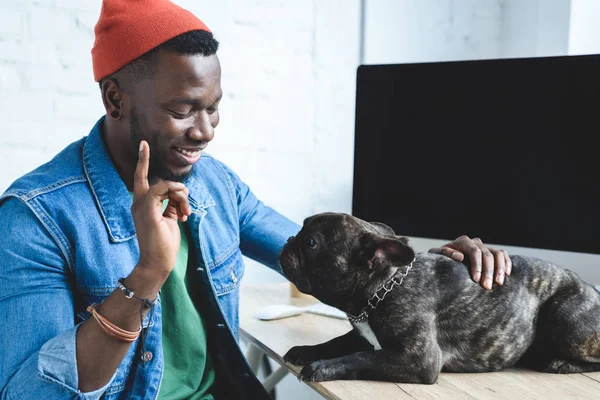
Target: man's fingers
x,y
508,262
487,265
488,270
436,250
173,211
487,261
476,264
140,177
469,246
500,267
448,252
179,204
180,215
455,255
162,189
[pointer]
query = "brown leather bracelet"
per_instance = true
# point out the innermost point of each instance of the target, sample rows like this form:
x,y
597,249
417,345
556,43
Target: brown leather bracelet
x,y
112,329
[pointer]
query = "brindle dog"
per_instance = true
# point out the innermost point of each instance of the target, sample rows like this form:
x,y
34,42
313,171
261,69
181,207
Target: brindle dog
x,y
435,318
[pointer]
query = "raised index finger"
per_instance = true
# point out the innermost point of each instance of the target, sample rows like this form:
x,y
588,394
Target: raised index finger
x,y
140,177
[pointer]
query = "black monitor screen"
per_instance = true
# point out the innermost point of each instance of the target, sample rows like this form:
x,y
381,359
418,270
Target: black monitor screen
x,y
506,150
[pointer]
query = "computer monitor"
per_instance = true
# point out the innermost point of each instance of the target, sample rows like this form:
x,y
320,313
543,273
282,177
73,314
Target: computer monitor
x,y
501,149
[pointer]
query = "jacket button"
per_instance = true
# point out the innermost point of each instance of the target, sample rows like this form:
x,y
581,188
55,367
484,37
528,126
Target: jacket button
x,y
147,356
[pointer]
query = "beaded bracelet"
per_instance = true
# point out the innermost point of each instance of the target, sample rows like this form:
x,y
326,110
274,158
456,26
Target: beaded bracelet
x,y
145,303
129,294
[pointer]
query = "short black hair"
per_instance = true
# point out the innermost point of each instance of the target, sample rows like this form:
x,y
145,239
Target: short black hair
x,y
192,43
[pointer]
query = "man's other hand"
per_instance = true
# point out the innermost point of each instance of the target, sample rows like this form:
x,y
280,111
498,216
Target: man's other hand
x,y
487,264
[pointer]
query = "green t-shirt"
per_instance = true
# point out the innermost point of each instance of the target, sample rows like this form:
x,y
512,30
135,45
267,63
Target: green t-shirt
x,y
188,370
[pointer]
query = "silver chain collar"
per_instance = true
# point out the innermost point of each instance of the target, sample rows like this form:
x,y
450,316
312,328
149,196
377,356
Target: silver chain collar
x,y
376,298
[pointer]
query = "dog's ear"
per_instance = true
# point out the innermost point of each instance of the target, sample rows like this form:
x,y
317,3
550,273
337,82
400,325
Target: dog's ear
x,y
378,250
383,228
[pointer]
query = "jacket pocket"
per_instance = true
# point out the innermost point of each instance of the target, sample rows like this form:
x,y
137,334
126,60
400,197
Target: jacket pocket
x,y
227,275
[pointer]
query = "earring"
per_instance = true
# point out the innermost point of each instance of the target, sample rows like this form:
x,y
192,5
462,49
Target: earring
x,y
115,114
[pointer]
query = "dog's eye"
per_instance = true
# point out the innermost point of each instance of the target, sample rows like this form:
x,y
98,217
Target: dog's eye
x,y
311,243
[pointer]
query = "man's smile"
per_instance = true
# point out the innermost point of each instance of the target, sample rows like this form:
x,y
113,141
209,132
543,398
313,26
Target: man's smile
x,y
187,156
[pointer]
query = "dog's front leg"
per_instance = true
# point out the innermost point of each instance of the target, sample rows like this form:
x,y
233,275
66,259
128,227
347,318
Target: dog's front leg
x,y
349,343
381,365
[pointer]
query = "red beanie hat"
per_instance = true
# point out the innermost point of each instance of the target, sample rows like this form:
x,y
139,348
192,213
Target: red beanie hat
x,y
128,29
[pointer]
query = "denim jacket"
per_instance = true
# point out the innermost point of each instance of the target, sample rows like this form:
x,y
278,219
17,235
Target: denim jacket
x,y
68,236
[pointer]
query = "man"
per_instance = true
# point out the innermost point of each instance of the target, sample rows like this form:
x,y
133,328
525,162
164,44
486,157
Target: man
x,y
135,208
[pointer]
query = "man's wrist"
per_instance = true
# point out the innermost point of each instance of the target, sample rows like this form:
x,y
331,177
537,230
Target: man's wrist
x,y
144,282
125,312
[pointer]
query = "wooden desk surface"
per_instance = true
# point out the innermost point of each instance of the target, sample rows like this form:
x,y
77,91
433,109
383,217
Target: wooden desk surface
x,y
275,338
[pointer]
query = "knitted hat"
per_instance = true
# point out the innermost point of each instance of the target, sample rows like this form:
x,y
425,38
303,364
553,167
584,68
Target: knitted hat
x,y
128,29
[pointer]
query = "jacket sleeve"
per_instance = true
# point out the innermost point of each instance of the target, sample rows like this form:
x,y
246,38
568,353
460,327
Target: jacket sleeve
x,y
38,332
263,231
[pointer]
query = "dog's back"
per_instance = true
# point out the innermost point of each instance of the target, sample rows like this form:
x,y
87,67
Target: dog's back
x,y
485,330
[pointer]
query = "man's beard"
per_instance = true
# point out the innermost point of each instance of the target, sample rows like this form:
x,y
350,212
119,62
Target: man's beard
x,y
158,169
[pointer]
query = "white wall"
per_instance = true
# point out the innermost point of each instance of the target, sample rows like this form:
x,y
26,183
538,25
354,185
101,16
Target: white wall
x,y
399,31
534,28
584,35
47,94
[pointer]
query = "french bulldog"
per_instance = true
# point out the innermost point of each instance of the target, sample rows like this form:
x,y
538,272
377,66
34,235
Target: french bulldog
x,y
415,315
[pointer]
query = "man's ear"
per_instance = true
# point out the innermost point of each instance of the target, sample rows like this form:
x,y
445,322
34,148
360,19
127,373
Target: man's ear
x,y
112,97
379,250
383,228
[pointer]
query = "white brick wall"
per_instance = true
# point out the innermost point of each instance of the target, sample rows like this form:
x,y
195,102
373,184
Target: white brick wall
x,y
288,76
47,94
287,118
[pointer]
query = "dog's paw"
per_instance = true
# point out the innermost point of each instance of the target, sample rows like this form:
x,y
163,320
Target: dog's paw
x,y
563,367
319,371
300,355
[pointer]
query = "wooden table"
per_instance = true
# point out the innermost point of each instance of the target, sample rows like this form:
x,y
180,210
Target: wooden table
x,y
275,338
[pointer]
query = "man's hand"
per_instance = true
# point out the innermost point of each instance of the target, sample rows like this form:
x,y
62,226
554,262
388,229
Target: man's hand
x,y
157,231
487,264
